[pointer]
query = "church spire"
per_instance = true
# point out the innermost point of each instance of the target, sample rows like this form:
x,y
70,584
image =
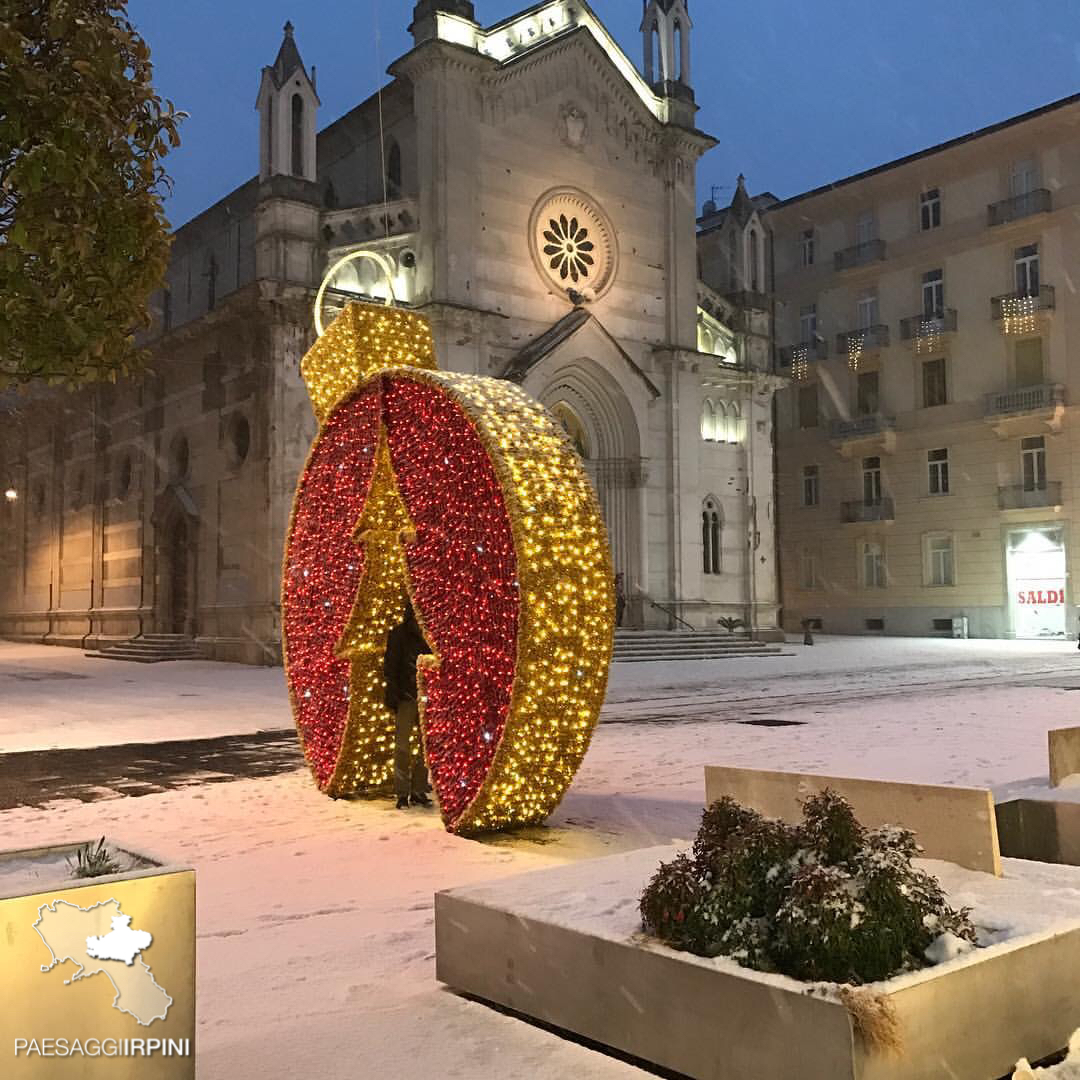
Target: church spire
x,y
665,27
287,104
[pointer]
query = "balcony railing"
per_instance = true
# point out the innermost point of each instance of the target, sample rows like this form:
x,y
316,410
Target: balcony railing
x,y
863,340
860,254
791,356
1039,201
1017,304
861,427
922,327
1026,399
748,300
859,510
1018,497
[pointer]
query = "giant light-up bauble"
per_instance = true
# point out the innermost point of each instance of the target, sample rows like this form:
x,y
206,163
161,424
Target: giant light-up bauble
x,y
464,494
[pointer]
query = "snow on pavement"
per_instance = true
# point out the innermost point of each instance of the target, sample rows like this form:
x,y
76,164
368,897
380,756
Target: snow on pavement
x,y
316,941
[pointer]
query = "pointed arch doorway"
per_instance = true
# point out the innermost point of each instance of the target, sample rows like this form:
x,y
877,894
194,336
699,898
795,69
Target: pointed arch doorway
x,y
176,525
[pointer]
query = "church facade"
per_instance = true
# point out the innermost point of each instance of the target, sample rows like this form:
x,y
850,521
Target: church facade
x,y
532,193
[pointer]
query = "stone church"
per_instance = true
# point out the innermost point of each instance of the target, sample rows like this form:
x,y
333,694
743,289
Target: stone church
x,y
533,193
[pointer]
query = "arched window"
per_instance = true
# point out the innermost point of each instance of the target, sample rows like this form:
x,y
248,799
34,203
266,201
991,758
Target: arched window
x,y
708,421
755,262
573,427
711,561
705,342
297,135
733,262
734,423
676,59
393,169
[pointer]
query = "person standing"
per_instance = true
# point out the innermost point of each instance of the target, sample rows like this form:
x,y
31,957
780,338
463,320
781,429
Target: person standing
x,y
404,646
620,599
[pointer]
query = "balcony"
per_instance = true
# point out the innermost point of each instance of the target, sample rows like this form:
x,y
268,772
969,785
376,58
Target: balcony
x,y
863,434
860,255
859,511
797,358
1021,312
749,300
1018,497
1017,207
1026,410
927,331
865,340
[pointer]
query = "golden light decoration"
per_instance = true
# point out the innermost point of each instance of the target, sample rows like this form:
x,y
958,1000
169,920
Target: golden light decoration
x,y
855,349
800,363
1020,314
463,495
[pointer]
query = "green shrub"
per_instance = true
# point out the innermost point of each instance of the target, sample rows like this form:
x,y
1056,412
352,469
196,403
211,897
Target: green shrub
x,y
825,900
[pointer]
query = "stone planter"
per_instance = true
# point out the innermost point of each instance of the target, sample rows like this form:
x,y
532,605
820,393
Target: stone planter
x,y
120,1005
563,946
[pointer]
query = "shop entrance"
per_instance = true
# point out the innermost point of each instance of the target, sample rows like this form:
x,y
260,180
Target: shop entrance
x,y
1035,560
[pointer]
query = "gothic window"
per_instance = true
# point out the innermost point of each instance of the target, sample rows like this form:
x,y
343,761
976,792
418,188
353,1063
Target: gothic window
x,y
393,169
655,69
297,135
574,428
677,49
733,263
211,283
755,262
710,538
708,421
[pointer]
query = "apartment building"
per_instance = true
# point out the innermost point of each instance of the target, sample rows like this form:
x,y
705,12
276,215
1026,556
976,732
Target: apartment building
x,y
928,446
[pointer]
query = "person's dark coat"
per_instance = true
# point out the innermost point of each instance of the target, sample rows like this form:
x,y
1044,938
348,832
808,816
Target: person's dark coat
x,y
403,647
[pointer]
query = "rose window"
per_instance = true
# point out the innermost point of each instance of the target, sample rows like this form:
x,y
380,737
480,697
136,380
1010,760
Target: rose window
x,y
573,245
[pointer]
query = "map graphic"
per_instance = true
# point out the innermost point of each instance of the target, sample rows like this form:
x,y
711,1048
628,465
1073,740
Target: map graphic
x,y
99,940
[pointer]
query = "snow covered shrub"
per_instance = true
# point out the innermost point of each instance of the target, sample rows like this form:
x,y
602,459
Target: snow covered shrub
x,y
825,900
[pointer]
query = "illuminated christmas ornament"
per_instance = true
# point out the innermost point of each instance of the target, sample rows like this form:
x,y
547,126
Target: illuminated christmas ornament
x,y
463,495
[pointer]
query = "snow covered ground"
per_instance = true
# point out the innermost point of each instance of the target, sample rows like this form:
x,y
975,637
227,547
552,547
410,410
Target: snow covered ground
x,y
316,946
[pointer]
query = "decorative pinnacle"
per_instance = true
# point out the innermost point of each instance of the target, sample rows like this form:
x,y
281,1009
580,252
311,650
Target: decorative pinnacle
x,y
288,28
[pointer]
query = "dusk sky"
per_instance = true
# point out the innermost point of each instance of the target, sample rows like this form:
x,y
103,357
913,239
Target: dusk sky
x,y
799,92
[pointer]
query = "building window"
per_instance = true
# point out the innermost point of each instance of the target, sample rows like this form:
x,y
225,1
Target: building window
x,y
867,400
1033,462
393,169
808,406
166,310
1023,177
873,565
211,283
871,478
238,439
808,570
1026,263
755,262
866,310
865,228
937,462
806,247
733,262
1029,362
811,492
708,421
808,324
710,538
297,135
933,294
934,387
940,569
122,477
930,209
179,458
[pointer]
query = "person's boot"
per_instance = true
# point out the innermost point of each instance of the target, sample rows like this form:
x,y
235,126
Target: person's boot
x,y
420,800
402,802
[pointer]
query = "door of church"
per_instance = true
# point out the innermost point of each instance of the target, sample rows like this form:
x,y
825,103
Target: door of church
x,y
178,578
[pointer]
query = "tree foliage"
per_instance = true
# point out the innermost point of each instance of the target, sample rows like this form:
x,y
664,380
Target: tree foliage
x,y
83,236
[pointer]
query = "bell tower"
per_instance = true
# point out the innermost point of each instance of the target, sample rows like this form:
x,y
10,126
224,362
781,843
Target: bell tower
x,y
665,29
287,103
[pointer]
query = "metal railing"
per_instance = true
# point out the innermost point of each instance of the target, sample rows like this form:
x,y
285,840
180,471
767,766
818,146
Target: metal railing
x,y
861,426
1039,201
920,327
666,610
868,337
1019,305
1025,399
859,254
1019,497
859,510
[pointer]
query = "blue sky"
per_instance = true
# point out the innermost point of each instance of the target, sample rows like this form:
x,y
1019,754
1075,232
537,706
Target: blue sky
x,y
799,92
